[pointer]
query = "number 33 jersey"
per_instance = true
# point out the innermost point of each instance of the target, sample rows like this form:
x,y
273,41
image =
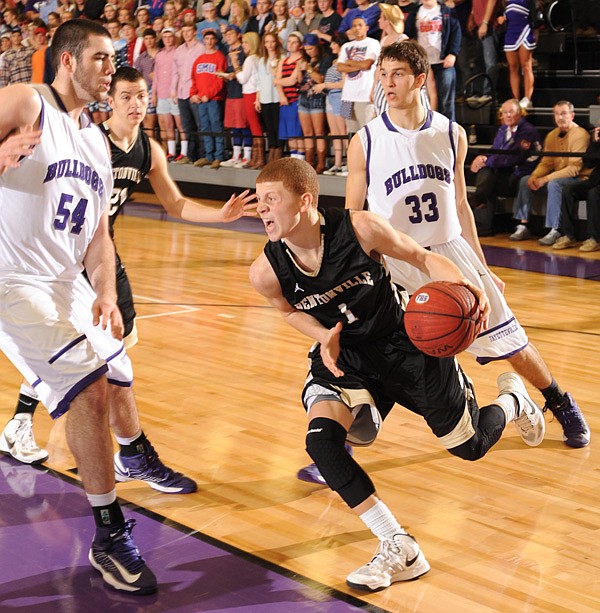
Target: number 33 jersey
x,y
52,204
410,176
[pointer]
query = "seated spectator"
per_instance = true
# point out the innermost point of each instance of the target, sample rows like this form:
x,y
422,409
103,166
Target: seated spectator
x,y
257,23
499,174
438,32
211,21
552,174
369,12
357,60
16,64
108,14
588,189
207,93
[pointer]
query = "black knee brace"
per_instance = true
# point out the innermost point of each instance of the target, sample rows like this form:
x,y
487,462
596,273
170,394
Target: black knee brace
x,y
325,445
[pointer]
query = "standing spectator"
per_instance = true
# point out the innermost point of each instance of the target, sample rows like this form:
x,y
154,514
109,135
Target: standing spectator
x,y
287,84
109,13
369,12
65,6
156,8
332,86
163,97
311,102
247,75
142,16
438,32
16,65
235,113
267,98
552,173
119,43
258,22
391,22
329,24
207,95
135,45
170,12
124,15
239,14
588,189
311,18
357,61
282,25
185,58
519,43
211,21
499,174
38,59
145,65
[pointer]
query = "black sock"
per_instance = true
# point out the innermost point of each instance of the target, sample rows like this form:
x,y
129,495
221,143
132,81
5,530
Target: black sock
x,y
136,447
108,515
26,404
553,394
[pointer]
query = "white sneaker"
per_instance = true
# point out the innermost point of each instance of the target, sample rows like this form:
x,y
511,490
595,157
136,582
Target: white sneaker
x,y
398,559
343,172
333,170
241,163
529,419
230,163
550,238
17,440
525,103
521,233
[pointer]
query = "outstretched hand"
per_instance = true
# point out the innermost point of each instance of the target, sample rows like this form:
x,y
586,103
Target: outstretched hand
x,y
242,205
16,146
105,312
330,349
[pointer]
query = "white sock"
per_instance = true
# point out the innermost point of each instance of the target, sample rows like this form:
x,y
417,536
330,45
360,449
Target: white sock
x,y
102,500
381,522
171,147
301,155
508,404
127,441
184,147
237,152
247,153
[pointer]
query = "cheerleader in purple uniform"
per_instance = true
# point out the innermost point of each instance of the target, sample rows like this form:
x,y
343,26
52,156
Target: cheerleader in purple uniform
x,y
519,43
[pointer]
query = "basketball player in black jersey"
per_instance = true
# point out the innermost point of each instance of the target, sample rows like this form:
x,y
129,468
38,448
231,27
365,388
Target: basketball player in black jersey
x,y
134,157
322,269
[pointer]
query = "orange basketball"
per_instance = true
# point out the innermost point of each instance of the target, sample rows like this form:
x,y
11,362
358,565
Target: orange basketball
x,y
442,318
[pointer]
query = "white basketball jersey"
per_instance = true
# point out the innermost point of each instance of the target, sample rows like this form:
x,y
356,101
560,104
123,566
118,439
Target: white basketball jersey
x,y
51,205
410,176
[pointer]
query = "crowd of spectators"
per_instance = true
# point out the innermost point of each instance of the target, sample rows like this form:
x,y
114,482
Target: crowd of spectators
x,y
231,80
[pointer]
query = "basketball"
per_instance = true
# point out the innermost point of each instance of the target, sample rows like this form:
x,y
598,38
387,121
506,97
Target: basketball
x,y
442,318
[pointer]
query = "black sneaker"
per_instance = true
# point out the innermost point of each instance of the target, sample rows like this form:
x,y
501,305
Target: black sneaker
x,y
576,432
148,467
116,557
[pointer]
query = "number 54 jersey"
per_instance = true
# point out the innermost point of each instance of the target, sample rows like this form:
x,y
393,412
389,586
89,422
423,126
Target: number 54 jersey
x,y
52,204
410,176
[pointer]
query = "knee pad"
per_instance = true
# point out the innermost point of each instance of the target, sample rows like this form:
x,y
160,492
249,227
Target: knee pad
x,y
325,441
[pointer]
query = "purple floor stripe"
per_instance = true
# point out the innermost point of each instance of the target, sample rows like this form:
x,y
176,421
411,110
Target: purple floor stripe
x,y
540,261
46,530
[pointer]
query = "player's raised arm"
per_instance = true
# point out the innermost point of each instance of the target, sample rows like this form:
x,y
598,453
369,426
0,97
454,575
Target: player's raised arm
x,y
356,182
177,205
265,282
377,236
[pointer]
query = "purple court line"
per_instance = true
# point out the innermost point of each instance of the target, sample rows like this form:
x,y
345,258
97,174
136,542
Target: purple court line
x,y
541,261
46,530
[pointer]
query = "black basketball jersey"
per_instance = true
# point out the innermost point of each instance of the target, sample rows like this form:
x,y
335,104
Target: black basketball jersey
x,y
349,285
129,168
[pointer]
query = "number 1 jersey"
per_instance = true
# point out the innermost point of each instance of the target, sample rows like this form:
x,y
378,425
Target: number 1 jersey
x,y
410,176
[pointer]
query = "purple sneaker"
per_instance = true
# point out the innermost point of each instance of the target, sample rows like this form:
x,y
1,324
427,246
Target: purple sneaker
x,y
311,473
116,557
148,467
576,432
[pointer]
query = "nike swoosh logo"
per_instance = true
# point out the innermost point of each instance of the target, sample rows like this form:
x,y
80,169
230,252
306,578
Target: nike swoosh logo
x,y
411,562
124,572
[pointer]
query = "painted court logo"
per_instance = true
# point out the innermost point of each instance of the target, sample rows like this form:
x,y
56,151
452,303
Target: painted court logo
x,y
422,298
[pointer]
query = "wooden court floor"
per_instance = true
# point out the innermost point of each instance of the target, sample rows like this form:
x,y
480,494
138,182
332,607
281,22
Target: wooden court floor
x,y
218,378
